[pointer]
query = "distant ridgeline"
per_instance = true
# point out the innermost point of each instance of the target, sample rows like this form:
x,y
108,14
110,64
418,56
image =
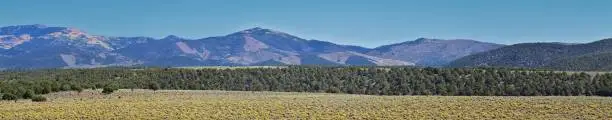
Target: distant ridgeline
x,y
350,80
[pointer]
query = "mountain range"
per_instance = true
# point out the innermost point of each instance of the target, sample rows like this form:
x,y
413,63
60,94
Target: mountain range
x,y
41,46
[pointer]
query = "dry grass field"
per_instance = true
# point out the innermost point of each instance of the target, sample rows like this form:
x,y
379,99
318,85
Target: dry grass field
x,y
167,104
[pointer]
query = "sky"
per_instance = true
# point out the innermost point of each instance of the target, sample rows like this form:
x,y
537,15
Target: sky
x,y
368,23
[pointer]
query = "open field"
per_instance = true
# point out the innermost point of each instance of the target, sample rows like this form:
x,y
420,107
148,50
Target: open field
x,y
143,104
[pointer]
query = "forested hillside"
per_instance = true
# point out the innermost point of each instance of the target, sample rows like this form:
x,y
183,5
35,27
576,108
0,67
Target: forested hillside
x,y
351,80
590,56
590,62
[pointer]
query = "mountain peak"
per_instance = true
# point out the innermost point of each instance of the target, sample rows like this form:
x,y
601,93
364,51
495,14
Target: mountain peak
x,y
262,31
171,37
39,26
432,40
38,30
18,29
425,40
256,30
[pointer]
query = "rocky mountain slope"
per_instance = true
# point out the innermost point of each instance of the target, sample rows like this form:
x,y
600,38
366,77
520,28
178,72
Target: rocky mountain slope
x,y
432,52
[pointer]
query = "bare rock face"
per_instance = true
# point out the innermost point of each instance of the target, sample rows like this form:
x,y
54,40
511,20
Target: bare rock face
x,y
360,59
253,45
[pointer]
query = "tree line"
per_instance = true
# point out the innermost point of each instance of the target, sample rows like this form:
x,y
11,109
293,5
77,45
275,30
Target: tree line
x,y
350,80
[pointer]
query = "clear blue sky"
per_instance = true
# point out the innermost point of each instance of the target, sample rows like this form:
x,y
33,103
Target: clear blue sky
x,y
358,22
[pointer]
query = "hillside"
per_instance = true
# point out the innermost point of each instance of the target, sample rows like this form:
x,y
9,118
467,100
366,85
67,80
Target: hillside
x,y
587,56
590,62
432,52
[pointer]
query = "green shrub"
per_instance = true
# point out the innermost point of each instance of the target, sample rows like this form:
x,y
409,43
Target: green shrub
x,y
65,87
77,88
333,90
27,94
39,98
604,92
154,86
108,89
9,96
46,90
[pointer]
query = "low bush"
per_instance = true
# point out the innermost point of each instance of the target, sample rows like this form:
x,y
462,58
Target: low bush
x,y
604,92
8,96
109,89
39,98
